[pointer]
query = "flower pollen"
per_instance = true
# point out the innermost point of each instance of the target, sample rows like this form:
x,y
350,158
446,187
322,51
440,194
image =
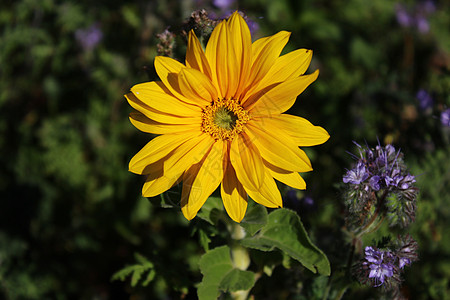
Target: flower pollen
x,y
223,119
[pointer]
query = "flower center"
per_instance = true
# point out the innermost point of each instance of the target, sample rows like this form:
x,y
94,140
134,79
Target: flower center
x,y
223,119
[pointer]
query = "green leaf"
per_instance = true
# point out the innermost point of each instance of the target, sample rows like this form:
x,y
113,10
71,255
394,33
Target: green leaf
x,y
255,218
220,275
285,231
211,210
237,280
136,271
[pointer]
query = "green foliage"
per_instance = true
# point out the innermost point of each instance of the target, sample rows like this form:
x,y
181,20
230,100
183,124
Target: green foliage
x,y
255,218
136,271
220,275
285,231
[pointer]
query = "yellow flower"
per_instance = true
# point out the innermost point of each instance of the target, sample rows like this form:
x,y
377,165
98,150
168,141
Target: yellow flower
x,y
220,121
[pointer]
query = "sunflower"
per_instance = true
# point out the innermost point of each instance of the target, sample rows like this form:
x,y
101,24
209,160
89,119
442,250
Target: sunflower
x,y
219,120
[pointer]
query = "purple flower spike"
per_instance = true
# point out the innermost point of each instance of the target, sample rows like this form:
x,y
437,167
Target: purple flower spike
x,y
223,4
380,265
89,37
356,175
403,17
422,24
425,99
445,117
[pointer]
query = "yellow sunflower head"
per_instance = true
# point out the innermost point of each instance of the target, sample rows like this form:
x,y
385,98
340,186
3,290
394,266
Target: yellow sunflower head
x,y
220,120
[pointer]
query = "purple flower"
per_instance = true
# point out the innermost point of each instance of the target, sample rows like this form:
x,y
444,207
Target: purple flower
x,y
252,25
407,182
403,261
407,252
445,117
380,264
356,175
223,4
374,182
422,24
403,16
425,99
415,16
89,37
394,178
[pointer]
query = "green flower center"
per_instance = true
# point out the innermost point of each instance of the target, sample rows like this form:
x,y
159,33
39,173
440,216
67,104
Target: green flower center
x,y
225,118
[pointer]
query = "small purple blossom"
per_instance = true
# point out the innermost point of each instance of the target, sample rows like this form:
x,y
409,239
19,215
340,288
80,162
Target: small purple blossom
x,y
380,265
223,4
308,201
445,117
374,182
394,178
415,16
403,261
356,175
407,182
422,24
383,267
407,252
89,37
403,16
252,25
425,99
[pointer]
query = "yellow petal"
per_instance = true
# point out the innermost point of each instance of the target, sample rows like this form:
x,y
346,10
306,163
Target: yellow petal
x,y
292,179
215,60
265,52
164,173
155,95
302,132
279,98
201,180
233,194
195,57
141,122
288,66
159,116
276,147
247,162
238,55
167,69
196,85
268,195
158,148
223,65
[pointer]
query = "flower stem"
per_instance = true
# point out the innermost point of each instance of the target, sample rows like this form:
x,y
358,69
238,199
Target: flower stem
x,y
239,255
380,206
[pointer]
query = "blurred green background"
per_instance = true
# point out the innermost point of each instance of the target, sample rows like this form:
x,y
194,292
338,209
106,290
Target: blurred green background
x,y
71,215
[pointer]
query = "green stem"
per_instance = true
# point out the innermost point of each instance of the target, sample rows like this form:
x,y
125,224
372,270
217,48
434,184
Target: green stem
x,y
368,228
239,255
380,206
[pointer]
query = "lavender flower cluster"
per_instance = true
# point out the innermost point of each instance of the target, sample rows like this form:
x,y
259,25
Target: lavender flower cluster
x,y
416,16
380,181
384,267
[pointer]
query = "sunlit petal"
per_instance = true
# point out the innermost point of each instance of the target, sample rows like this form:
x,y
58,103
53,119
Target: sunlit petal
x,y
201,179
